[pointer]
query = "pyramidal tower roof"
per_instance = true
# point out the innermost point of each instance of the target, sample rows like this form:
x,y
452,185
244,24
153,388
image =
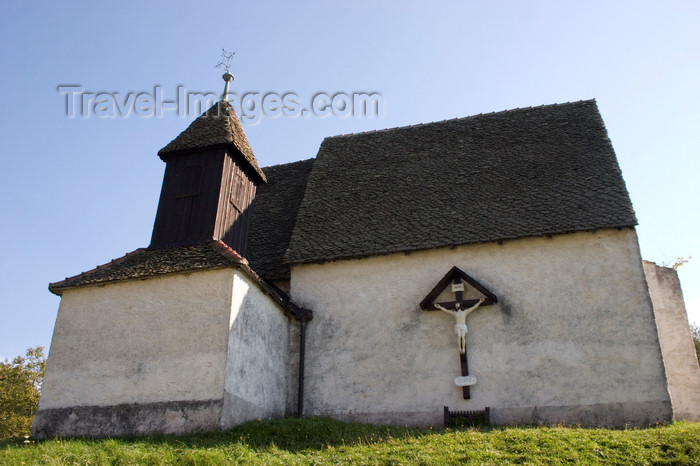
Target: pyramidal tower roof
x,y
219,125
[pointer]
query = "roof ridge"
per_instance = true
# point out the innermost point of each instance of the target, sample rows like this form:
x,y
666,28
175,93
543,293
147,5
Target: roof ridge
x,y
468,117
229,251
288,163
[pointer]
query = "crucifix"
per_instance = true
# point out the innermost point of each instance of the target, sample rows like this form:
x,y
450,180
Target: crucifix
x,y
459,308
460,313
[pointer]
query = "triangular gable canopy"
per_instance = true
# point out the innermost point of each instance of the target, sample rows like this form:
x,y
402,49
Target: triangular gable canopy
x,y
455,273
217,126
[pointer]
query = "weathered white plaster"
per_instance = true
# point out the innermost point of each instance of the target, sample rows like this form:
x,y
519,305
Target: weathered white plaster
x,y
140,341
573,327
293,333
676,342
258,359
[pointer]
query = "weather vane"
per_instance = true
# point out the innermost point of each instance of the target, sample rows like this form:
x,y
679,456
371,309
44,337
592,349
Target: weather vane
x,y
225,60
227,76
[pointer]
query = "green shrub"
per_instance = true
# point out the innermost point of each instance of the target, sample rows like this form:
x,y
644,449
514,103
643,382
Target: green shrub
x,y
20,383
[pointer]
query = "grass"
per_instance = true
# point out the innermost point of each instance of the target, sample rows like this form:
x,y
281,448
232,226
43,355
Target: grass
x,y
325,441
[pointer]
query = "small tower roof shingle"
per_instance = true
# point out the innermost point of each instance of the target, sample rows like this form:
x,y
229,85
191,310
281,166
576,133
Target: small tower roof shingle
x,y
219,125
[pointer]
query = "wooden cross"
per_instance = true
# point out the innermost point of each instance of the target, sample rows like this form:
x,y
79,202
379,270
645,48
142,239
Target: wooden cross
x,y
458,288
457,279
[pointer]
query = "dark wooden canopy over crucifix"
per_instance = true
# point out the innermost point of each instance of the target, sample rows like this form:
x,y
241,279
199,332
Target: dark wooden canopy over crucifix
x,y
455,277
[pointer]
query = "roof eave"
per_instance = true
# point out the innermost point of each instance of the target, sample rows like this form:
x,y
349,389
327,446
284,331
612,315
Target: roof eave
x,y
258,173
320,260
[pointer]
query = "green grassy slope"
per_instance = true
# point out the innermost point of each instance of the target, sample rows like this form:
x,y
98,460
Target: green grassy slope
x,y
324,441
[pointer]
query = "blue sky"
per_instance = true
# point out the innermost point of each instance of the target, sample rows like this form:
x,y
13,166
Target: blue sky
x,y
81,191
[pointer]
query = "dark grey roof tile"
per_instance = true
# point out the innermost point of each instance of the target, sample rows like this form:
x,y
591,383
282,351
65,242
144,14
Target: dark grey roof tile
x,y
274,212
512,174
143,263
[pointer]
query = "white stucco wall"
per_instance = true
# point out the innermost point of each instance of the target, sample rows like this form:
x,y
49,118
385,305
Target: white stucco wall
x,y
258,360
140,341
169,354
572,339
676,342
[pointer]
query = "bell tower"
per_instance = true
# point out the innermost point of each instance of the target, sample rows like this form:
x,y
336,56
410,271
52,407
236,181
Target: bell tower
x,y
210,180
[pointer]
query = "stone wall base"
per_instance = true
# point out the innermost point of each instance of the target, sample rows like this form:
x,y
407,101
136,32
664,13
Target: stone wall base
x,y
610,415
175,417
183,417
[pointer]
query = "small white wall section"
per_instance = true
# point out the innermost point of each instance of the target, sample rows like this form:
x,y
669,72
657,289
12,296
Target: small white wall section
x,y
676,342
572,339
140,341
258,360
178,353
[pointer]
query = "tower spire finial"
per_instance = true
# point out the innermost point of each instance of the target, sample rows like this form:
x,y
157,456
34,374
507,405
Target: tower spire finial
x,y
227,76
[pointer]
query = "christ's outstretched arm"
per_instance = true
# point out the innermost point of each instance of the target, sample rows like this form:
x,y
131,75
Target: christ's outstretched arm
x,y
449,311
476,305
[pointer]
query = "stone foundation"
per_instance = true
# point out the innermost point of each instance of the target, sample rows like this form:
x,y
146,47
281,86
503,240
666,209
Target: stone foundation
x,y
609,415
174,417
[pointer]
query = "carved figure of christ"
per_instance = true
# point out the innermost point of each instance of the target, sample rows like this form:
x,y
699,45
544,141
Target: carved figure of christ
x,y
460,321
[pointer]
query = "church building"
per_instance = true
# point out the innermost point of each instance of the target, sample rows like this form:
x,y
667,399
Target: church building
x,y
486,264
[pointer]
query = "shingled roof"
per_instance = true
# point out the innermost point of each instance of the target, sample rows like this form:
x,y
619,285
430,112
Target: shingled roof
x,y
219,125
512,174
274,211
143,263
